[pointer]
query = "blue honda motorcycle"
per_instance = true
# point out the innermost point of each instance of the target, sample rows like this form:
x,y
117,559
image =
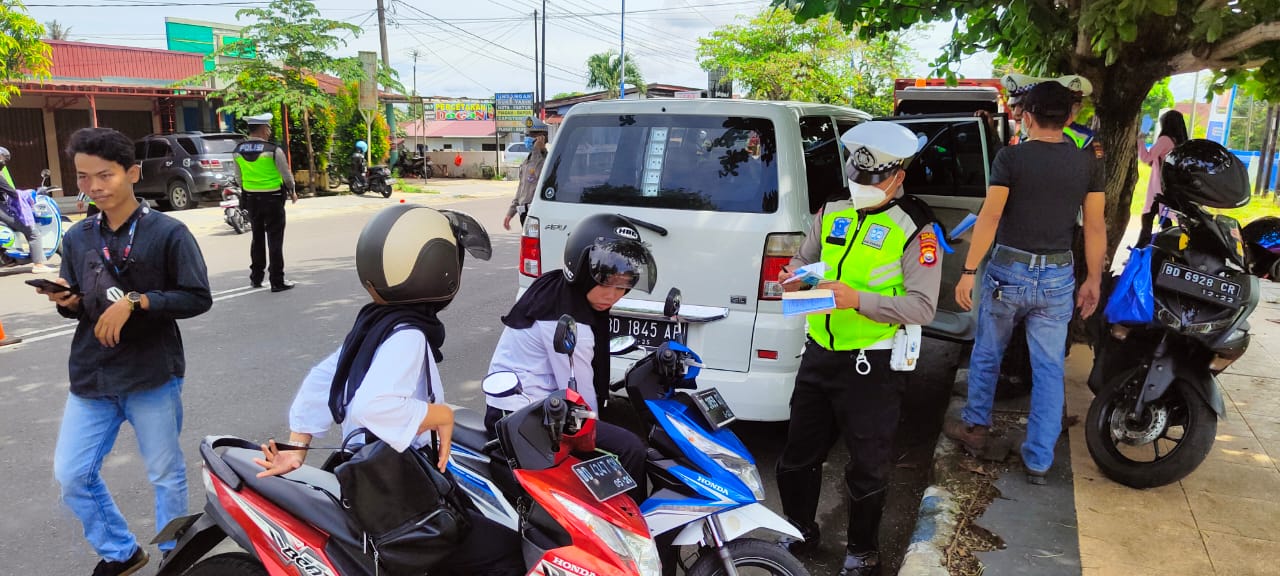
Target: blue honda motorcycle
x,y
707,491
48,223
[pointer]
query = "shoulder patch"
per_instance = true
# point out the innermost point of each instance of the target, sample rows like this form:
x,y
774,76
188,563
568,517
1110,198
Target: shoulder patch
x,y
928,247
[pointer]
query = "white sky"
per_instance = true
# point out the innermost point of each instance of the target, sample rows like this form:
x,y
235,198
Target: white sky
x,y
661,36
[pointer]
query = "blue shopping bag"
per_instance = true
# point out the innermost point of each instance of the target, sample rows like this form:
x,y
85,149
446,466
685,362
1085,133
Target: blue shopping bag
x,y
1132,300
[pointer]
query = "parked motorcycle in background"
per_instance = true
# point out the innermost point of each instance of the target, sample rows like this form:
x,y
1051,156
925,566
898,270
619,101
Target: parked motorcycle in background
x,y
1155,414
48,223
233,211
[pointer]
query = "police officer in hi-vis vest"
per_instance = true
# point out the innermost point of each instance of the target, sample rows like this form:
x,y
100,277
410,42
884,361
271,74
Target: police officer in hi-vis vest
x,y
266,180
884,263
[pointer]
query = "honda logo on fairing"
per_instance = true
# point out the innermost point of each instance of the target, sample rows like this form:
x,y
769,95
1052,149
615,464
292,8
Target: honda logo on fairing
x,y
565,564
712,485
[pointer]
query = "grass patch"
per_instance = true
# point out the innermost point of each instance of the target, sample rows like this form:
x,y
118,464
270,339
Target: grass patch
x,y
412,189
1256,208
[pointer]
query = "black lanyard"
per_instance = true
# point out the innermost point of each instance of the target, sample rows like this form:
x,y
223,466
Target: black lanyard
x,y
105,253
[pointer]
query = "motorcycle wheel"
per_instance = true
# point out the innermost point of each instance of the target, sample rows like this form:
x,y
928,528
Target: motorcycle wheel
x,y
233,219
428,172
386,190
1129,451
230,564
357,189
750,556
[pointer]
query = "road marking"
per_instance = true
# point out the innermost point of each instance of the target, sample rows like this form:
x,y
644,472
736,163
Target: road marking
x,y
63,330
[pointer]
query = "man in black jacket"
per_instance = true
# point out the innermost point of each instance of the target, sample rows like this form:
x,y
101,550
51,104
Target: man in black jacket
x,y
132,274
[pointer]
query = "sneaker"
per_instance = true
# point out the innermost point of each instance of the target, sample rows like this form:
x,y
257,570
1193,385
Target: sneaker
x,y
971,436
130,566
1035,478
861,564
43,269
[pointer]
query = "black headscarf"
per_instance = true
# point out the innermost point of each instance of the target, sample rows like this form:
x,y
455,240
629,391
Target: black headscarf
x,y
374,324
552,296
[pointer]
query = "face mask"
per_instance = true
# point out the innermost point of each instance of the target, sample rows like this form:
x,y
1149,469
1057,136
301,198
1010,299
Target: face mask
x,y
528,142
864,196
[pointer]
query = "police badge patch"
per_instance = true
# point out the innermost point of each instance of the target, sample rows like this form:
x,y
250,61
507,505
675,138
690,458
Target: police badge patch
x,y
864,159
840,227
876,236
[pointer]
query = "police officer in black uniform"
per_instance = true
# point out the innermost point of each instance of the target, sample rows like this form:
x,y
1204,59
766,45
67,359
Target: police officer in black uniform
x,y
883,258
266,180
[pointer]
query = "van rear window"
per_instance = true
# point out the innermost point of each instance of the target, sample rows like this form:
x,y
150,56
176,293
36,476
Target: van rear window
x,y
711,163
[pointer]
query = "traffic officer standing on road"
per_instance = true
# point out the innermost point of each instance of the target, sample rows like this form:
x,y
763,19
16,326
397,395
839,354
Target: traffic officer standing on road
x,y
266,179
530,171
882,249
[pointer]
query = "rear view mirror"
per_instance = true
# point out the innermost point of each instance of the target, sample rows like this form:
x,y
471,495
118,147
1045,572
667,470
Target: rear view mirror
x,y
501,385
672,306
44,173
566,337
620,345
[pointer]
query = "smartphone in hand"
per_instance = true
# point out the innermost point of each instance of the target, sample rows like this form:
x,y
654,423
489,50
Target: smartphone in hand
x,y
48,286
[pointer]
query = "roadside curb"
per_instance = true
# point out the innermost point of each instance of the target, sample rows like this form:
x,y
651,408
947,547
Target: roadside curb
x,y
936,519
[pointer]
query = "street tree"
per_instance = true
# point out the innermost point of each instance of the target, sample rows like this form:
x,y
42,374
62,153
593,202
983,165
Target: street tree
x,y
274,63
22,54
1122,46
54,30
819,60
602,73
1160,97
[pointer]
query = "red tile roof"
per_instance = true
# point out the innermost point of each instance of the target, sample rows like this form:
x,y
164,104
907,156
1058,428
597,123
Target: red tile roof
x,y
450,129
121,64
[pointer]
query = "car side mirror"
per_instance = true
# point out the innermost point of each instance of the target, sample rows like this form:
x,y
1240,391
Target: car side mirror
x,y
501,385
566,337
620,345
672,306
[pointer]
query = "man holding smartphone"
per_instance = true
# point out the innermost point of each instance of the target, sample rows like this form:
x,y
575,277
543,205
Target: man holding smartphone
x,y
131,274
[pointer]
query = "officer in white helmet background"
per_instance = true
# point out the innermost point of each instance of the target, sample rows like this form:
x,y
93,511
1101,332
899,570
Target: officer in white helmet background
x,y
883,253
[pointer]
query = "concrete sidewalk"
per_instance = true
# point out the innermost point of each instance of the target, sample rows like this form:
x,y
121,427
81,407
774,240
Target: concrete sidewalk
x,y
1224,518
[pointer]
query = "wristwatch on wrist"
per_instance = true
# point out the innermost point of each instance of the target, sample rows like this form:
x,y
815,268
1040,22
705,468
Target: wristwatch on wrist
x,y
135,300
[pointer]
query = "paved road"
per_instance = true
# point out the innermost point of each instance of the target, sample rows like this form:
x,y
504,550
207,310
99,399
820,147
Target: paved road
x,y
246,357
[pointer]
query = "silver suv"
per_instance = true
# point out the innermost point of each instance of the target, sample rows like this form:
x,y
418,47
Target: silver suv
x,y
181,168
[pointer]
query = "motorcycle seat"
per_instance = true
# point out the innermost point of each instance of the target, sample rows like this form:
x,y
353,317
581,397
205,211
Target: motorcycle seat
x,y
308,493
468,429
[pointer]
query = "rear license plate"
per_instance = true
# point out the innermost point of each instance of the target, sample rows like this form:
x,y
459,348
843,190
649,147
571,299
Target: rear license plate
x,y
650,333
604,477
1201,286
391,180
230,203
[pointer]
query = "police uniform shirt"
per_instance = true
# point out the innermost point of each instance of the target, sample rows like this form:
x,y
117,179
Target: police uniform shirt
x,y
921,270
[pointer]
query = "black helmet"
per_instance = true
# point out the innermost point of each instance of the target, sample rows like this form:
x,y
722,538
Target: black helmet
x,y
1204,173
1262,240
607,249
410,253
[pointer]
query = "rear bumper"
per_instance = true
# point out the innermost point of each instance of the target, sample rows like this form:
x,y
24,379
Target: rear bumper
x,y
761,395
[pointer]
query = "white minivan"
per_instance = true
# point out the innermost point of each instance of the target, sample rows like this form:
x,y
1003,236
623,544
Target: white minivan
x,y
722,191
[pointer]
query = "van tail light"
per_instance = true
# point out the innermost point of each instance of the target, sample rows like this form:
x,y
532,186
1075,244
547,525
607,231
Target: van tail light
x,y
530,249
211,164
779,249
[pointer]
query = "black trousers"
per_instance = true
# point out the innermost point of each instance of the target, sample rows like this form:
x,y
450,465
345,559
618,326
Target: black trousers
x,y
616,440
831,399
266,214
490,549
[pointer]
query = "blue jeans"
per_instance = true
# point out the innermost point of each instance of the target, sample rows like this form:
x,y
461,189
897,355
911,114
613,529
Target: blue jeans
x,y
89,428
1043,296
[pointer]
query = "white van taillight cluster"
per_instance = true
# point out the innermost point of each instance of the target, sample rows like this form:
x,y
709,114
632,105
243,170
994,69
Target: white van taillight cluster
x,y
530,249
779,248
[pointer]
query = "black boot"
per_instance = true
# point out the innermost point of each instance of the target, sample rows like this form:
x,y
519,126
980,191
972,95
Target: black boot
x,y
863,557
799,490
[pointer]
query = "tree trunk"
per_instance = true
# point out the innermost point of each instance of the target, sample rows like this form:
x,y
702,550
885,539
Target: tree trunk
x,y
311,156
1118,113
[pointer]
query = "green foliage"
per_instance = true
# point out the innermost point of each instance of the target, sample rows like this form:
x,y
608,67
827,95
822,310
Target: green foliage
x,y
56,31
1248,125
1159,98
560,95
818,60
22,54
602,73
351,128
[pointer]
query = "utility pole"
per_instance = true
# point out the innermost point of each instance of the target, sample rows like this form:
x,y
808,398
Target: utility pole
x,y
537,94
542,85
622,57
382,33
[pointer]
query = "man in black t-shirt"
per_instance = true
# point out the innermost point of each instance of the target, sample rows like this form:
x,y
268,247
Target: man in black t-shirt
x,y
1037,190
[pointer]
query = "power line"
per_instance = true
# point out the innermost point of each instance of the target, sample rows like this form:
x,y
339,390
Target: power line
x,y
150,4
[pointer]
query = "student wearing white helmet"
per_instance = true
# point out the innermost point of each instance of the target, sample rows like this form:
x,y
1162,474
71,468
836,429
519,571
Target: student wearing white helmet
x,y
884,254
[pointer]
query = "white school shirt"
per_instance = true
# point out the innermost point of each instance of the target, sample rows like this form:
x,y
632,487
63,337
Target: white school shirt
x,y
391,401
531,354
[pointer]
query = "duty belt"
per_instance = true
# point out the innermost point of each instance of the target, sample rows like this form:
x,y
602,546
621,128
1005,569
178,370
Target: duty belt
x,y
1005,255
